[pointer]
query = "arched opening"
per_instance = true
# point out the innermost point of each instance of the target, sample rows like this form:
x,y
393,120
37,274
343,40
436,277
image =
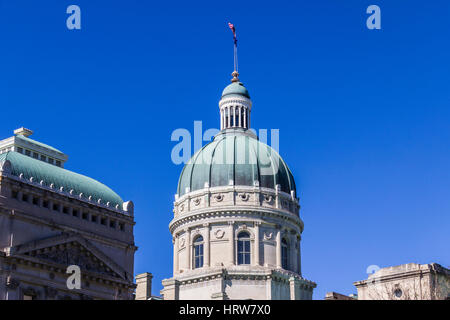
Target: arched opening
x,y
243,248
198,252
284,254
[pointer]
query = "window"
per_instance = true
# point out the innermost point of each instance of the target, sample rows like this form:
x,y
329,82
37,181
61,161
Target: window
x,y
14,194
122,227
74,212
45,204
19,150
43,158
25,197
58,163
198,252
284,254
85,216
243,248
65,210
35,155
112,224
36,201
28,152
94,218
50,160
56,207
103,221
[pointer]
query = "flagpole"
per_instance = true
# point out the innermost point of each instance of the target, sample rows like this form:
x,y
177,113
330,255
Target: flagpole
x,y
235,73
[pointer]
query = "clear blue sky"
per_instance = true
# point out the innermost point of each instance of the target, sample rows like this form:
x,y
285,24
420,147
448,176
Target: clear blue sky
x,y
363,115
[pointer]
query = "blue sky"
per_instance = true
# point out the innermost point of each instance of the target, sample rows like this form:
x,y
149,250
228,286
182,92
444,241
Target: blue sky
x,y
363,114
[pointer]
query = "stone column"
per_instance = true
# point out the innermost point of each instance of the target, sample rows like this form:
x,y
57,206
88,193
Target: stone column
x,y
175,254
206,246
189,249
240,117
229,116
245,118
278,247
256,255
231,244
293,252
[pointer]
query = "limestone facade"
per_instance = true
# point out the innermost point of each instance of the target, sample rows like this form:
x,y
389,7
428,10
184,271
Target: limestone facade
x,y
45,229
406,282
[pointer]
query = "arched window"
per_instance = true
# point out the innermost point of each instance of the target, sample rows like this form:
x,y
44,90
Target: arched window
x,y
198,252
243,248
284,254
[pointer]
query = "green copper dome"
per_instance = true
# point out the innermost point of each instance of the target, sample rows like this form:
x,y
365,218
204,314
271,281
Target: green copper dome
x,y
59,177
236,88
235,158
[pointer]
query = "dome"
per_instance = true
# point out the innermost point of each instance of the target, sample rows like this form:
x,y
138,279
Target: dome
x,y
59,177
235,158
236,88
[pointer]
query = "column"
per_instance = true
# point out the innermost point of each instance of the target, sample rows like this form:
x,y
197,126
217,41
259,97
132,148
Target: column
x,y
278,247
189,249
231,242
175,254
240,117
245,118
293,252
206,246
229,116
256,259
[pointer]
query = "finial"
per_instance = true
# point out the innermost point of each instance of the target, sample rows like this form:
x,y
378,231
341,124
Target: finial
x,y
235,75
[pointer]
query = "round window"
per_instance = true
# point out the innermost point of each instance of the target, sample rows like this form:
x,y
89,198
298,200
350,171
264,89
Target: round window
x,y
398,293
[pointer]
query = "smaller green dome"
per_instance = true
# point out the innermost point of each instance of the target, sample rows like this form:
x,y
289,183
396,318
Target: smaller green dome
x,y
236,88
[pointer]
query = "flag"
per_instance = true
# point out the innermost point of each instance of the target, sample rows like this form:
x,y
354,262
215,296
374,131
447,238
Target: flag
x,y
234,31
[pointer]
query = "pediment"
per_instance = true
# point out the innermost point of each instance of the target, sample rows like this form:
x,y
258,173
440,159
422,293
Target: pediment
x,y
68,250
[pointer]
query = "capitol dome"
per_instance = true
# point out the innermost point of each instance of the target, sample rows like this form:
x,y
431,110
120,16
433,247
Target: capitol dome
x,y
236,158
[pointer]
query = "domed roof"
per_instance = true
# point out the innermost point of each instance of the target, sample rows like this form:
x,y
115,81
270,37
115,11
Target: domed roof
x,y
59,177
236,88
235,158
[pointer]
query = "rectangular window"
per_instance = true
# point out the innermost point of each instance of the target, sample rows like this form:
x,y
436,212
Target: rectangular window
x,y
19,150
50,160
25,197
65,210
45,204
35,155
85,216
112,224
56,207
75,213
28,152
94,218
14,194
36,201
58,163
121,227
103,221
43,158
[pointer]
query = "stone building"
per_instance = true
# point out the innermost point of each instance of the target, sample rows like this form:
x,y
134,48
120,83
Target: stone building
x,y
51,218
410,281
236,227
